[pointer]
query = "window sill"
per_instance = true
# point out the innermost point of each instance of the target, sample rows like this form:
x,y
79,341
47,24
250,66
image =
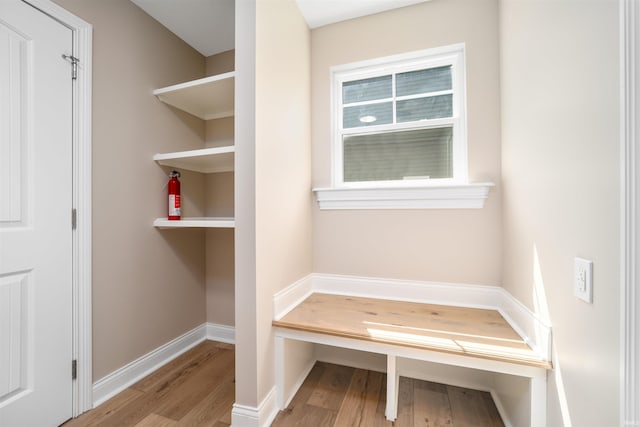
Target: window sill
x,y
452,196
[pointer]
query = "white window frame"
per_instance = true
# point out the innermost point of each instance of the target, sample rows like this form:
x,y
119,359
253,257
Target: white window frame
x,y
453,56
450,193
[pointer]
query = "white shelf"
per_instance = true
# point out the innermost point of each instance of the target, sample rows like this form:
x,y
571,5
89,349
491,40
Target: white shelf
x,y
195,222
206,160
207,98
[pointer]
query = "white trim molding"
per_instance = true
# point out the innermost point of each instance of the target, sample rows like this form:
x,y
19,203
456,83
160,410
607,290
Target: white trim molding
x,y
263,415
221,333
81,270
447,196
286,299
630,209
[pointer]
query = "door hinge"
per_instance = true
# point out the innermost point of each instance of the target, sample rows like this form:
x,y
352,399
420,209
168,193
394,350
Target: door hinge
x,y
74,369
74,65
74,219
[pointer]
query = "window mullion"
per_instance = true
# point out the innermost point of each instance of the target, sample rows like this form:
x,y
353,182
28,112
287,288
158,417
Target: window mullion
x,y
424,95
393,97
434,123
370,102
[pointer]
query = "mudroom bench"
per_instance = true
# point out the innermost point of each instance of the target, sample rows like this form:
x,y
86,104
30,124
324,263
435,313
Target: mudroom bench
x,y
467,337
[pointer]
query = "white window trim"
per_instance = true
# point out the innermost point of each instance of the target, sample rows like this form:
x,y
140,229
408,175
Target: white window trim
x,y
450,196
451,193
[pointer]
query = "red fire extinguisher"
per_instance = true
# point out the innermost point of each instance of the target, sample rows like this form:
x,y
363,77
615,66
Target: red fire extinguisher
x,y
174,195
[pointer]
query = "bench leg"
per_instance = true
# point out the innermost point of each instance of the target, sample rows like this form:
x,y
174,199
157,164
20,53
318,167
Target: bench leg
x,y
393,382
539,400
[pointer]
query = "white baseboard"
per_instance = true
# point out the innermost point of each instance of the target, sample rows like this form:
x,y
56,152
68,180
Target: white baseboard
x,y
456,294
221,333
244,416
531,328
286,299
262,416
535,331
112,384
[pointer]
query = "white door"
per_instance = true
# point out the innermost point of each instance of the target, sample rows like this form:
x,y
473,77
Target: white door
x,y
35,218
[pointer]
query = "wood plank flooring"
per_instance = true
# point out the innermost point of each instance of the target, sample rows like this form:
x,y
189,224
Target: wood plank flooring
x,y
195,389
198,389
339,396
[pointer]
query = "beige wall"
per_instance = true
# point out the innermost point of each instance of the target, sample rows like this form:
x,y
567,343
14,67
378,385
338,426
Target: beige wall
x,y
219,63
272,199
219,196
148,285
220,259
560,122
220,276
462,246
283,169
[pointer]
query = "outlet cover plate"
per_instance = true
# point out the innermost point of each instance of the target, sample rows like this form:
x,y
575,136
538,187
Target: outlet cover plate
x,y
583,279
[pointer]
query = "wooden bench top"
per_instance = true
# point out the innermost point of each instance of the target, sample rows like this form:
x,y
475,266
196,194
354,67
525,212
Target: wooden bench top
x,y
457,330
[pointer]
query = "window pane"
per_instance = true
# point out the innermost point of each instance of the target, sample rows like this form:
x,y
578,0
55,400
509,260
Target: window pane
x,y
367,115
423,153
432,107
423,81
366,89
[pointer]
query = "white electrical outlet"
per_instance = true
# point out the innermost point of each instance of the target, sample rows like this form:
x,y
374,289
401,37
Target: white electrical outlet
x,y
583,279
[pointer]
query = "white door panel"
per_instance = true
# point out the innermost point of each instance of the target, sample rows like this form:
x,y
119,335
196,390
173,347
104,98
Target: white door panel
x,y
35,218
14,47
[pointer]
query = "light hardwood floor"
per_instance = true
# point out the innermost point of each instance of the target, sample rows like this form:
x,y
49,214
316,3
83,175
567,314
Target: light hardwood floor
x,y
340,396
197,389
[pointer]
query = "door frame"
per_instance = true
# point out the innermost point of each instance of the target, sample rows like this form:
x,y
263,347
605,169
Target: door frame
x,y
81,256
630,209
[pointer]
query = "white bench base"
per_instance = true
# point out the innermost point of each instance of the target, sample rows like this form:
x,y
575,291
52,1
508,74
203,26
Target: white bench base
x,y
536,375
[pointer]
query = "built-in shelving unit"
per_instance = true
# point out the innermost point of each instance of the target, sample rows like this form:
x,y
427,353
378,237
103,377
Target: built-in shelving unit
x,y
207,98
206,160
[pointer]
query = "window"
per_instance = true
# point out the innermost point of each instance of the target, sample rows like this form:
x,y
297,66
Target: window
x,y
399,134
400,121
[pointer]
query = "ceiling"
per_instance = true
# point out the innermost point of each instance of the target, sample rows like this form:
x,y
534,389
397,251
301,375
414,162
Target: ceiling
x,y
208,25
324,12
